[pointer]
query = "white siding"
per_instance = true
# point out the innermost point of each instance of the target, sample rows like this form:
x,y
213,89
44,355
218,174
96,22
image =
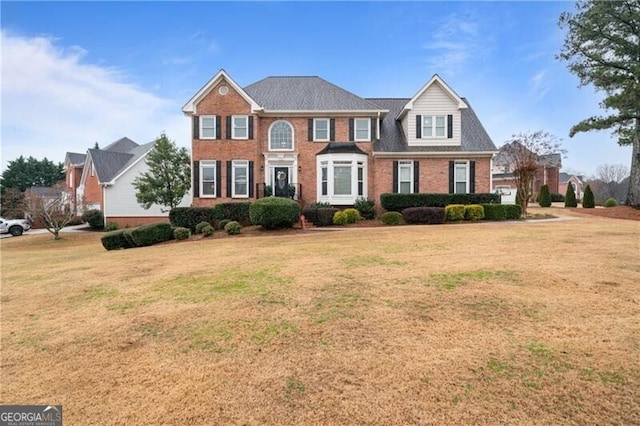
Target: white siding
x,y
120,199
433,101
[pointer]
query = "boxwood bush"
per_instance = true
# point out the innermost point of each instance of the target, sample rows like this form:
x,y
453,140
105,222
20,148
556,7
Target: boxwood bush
x,y
610,202
399,202
189,217
232,228
473,212
200,226
454,212
208,231
320,216
154,233
223,223
94,218
339,218
512,211
352,215
115,240
274,212
391,218
180,233
423,215
494,211
238,212
557,198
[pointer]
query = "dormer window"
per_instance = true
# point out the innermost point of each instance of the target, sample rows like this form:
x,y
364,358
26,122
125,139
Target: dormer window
x,y
434,126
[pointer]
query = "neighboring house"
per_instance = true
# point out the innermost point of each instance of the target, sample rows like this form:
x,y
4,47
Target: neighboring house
x,y
548,172
106,183
305,138
577,182
73,165
48,194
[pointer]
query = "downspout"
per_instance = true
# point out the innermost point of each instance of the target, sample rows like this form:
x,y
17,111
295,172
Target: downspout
x,y
104,204
491,172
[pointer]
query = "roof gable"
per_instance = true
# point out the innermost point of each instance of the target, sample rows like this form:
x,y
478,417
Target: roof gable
x,y
112,162
190,107
74,158
121,145
434,80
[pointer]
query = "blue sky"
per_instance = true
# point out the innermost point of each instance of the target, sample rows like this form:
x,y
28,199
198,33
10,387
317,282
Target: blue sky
x,y
76,73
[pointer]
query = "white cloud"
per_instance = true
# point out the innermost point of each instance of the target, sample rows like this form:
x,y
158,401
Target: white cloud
x,y
53,101
538,85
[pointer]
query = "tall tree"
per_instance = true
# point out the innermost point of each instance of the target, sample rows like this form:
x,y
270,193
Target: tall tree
x,y
169,177
24,173
523,152
602,48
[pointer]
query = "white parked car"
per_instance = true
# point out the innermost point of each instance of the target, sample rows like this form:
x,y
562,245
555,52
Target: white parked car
x,y
14,227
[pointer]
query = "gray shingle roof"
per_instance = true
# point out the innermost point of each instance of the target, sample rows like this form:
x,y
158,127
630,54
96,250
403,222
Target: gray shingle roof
x,y
44,191
341,148
392,139
75,158
121,145
305,94
109,163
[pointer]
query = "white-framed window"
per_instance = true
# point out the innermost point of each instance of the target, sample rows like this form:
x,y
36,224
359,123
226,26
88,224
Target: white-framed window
x,y
461,177
240,179
321,129
281,136
239,127
434,126
208,179
405,177
342,178
362,129
207,127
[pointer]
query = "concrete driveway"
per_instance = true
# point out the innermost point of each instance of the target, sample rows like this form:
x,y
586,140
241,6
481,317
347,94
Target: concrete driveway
x,y
75,228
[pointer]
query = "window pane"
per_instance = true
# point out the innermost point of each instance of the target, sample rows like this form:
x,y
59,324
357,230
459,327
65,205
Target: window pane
x,y
281,136
324,180
208,188
405,173
360,188
362,128
461,173
322,129
208,173
427,126
342,180
461,187
440,126
208,127
240,182
324,188
405,187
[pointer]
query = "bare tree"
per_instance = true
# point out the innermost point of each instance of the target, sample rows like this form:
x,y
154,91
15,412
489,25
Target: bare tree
x,y
523,152
610,181
612,172
53,211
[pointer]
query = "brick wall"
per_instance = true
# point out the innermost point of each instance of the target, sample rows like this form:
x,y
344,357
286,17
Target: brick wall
x,y
92,191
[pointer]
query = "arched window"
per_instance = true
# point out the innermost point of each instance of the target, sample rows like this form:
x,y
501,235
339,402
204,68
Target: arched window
x,y
281,136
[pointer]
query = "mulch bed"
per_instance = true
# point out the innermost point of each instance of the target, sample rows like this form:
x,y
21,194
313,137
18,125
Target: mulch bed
x,y
618,212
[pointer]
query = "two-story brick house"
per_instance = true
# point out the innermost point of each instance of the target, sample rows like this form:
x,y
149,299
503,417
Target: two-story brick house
x,y
306,138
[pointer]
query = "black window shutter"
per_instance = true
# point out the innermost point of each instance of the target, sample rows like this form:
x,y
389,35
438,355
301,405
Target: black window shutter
x,y
451,177
251,127
332,129
395,177
250,179
373,129
218,127
196,179
416,177
196,127
418,127
472,177
218,178
229,127
310,129
449,126
351,138
229,177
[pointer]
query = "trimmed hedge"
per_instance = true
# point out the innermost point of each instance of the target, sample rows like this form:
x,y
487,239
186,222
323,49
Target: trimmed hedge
x,y
473,212
399,202
208,231
611,202
512,211
127,236
557,198
200,226
232,228
423,215
352,215
147,235
238,212
181,233
95,218
274,212
391,218
454,212
223,223
320,216
115,240
189,217
340,218
494,211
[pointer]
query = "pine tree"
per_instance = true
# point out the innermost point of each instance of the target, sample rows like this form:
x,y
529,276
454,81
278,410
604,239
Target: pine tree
x,y
588,200
544,199
570,197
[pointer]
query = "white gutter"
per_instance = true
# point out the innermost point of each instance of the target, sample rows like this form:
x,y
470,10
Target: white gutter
x,y
414,154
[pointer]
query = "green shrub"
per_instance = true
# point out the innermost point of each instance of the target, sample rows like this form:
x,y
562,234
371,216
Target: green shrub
x,y
95,219
238,212
207,231
512,211
352,215
557,198
610,202
391,218
423,215
366,207
232,228
494,211
154,233
339,218
454,212
181,233
319,205
473,212
544,198
201,225
223,223
274,212
570,197
73,222
319,216
111,226
588,200
189,217
127,236
399,202
115,240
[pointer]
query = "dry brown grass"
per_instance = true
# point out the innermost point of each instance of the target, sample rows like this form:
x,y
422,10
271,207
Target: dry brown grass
x,y
520,323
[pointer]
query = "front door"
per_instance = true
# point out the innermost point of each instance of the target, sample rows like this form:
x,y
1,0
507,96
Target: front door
x,y
281,184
